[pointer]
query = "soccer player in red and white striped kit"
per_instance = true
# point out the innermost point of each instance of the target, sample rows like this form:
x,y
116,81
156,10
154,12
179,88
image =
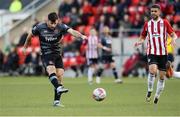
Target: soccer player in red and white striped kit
x,y
155,31
92,46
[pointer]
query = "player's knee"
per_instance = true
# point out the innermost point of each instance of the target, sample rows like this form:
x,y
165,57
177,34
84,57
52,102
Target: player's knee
x,y
51,69
60,73
153,71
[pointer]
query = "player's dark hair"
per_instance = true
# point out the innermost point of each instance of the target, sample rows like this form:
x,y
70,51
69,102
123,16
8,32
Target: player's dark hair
x,y
52,17
156,6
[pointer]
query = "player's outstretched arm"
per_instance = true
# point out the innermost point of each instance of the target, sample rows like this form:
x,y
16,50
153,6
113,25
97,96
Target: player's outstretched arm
x,y
27,42
76,34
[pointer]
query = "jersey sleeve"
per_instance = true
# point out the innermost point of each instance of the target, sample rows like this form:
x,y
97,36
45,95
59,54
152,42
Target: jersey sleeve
x,y
64,28
144,30
169,27
35,30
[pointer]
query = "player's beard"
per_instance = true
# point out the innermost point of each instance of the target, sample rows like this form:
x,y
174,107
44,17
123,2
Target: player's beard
x,y
154,17
52,28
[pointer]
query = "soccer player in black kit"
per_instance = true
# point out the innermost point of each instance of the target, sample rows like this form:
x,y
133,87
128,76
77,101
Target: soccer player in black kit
x,y
50,34
107,56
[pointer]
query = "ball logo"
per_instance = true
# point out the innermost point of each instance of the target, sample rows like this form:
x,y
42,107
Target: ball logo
x,y
99,94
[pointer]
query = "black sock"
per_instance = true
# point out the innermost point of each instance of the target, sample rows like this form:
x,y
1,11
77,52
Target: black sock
x,y
56,95
54,81
115,73
99,72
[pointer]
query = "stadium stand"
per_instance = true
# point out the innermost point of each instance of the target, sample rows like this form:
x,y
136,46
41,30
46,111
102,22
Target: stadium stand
x,y
111,13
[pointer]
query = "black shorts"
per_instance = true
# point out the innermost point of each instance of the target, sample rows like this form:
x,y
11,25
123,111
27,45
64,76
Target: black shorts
x,y
107,59
159,60
170,57
52,59
92,61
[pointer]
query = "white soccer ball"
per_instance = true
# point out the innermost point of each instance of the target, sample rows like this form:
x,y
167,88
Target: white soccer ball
x,y
99,94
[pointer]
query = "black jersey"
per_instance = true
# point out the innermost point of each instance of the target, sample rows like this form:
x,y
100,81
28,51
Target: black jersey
x,y
107,42
49,38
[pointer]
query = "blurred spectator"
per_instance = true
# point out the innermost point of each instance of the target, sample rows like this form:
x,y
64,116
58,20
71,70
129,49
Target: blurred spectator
x,y
114,26
23,37
12,62
137,24
86,12
33,65
75,20
64,7
121,6
94,2
78,4
15,6
87,8
125,24
177,7
100,24
1,60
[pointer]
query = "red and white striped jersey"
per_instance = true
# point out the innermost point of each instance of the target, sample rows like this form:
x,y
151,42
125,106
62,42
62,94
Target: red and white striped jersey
x,y
156,33
92,47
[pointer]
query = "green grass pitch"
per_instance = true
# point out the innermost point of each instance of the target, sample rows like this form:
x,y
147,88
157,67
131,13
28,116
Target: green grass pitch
x,y
32,96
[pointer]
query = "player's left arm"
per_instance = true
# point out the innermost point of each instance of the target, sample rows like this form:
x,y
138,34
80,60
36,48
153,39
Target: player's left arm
x,y
27,42
76,33
171,32
174,37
